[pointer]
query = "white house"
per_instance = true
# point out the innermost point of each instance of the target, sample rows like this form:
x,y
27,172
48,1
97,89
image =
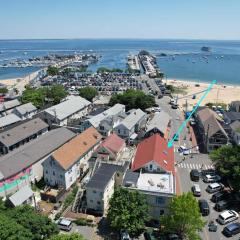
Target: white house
x,y
131,124
70,161
75,107
100,188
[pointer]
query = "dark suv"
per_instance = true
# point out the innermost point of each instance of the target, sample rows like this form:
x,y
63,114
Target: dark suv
x,y
204,207
195,175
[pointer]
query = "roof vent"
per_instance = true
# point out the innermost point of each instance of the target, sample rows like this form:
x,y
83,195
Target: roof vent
x,y
35,122
95,135
160,185
24,127
165,161
8,134
85,143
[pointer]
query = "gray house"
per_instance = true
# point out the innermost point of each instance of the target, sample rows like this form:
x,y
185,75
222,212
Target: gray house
x,y
234,106
21,134
7,106
74,107
131,124
25,111
24,165
159,123
9,120
235,132
210,129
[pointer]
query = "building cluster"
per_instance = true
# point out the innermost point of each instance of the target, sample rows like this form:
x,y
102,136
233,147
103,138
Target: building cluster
x,y
108,149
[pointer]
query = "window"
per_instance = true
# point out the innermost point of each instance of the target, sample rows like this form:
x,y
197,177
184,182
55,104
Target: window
x,y
94,191
161,212
98,203
160,200
102,128
150,166
119,131
53,173
46,171
91,200
61,176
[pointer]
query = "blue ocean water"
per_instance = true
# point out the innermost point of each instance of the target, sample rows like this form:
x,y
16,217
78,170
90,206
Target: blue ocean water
x,y
185,59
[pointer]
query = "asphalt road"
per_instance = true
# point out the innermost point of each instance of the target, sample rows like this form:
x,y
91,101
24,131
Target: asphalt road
x,y
184,166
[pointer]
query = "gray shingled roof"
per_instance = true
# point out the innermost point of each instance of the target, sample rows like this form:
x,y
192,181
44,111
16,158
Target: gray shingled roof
x,y
26,108
160,121
116,109
132,119
9,119
103,175
34,151
67,108
9,104
130,178
235,126
21,132
233,116
21,195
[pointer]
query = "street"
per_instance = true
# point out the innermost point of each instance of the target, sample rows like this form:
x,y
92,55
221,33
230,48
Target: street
x,y
185,164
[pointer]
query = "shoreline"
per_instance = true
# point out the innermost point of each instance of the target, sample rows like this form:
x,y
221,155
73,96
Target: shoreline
x,y
220,93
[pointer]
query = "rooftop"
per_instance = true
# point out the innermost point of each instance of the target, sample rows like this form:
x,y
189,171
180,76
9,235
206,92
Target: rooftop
x,y
26,108
154,149
162,183
103,175
160,121
9,104
22,195
68,107
73,150
8,120
132,119
37,149
114,110
23,131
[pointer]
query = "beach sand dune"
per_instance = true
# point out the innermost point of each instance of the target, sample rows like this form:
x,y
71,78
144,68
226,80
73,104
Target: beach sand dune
x,y
218,94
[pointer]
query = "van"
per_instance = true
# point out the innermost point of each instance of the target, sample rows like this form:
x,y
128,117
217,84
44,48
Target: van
x,y
231,229
227,217
204,207
65,224
221,205
214,187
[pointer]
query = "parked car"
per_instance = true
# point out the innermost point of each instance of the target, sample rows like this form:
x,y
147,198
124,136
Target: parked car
x,y
204,207
227,216
231,229
208,178
214,187
221,205
124,235
212,226
196,190
184,150
218,196
195,175
64,224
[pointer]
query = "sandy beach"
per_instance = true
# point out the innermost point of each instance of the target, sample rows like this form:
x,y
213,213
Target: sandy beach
x,y
218,94
19,83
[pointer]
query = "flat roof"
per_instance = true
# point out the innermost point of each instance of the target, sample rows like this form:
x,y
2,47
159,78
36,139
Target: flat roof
x,y
156,182
21,195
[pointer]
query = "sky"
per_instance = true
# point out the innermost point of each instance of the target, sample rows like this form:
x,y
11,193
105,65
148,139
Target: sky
x,y
147,19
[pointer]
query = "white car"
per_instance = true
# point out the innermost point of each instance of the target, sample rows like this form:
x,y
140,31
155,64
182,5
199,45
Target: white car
x,y
227,216
196,190
211,178
184,150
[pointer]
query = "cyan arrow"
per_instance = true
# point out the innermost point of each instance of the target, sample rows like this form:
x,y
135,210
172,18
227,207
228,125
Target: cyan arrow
x,y
170,143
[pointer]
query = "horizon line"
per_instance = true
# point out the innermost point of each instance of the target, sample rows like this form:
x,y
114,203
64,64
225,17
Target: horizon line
x,y
119,38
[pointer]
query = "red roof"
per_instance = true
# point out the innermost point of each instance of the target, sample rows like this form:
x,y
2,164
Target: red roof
x,y
113,143
154,149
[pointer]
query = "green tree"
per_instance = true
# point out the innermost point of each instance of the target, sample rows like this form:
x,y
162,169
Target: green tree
x,y
133,99
88,92
40,226
184,217
56,92
52,71
34,95
10,230
128,210
3,90
72,236
227,161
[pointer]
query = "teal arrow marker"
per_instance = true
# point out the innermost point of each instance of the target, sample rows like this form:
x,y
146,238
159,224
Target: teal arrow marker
x,y
170,143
